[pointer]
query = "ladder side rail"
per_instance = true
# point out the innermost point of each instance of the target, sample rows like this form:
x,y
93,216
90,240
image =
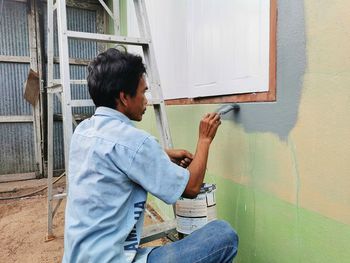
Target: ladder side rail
x,y
65,79
109,12
144,28
50,43
50,54
149,54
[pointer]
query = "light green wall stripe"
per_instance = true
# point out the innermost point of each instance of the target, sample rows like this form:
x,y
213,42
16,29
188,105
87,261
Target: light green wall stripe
x,y
274,231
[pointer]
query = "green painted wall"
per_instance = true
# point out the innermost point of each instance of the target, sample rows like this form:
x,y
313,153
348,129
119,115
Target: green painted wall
x,y
283,169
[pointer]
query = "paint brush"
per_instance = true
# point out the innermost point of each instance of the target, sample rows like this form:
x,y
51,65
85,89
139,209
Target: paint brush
x,y
227,108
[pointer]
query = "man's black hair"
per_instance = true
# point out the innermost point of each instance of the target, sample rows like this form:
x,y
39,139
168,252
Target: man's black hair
x,y
110,73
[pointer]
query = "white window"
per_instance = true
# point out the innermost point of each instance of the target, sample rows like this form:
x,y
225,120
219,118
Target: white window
x,y
209,48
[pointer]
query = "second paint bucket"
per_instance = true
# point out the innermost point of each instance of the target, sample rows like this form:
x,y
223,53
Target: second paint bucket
x,y
192,214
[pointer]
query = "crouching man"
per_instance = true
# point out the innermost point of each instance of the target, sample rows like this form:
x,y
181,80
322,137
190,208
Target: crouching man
x,y
113,165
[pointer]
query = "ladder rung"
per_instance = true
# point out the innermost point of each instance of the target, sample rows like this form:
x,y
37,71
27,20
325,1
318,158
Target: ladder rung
x,y
59,196
81,103
56,88
78,81
156,231
108,38
72,81
154,102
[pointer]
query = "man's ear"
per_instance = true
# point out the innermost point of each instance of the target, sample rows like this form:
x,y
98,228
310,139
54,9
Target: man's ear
x,y
123,98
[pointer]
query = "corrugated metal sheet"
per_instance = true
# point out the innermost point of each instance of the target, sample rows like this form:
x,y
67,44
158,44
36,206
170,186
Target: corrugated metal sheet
x,y
82,20
17,139
13,77
17,148
77,91
14,36
79,20
58,146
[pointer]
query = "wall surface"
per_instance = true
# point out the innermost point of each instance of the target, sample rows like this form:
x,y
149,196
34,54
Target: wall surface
x,y
283,169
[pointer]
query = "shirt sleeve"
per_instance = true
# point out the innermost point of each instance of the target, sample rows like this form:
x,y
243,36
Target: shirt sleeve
x,y
152,169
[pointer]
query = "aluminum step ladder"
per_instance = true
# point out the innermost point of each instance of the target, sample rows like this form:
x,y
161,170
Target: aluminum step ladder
x,y
62,89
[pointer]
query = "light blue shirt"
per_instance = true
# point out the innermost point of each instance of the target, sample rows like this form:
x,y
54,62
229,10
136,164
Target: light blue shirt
x,y
112,166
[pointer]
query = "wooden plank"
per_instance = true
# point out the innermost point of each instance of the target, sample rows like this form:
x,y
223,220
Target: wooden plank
x,y
273,51
21,1
73,61
16,118
32,88
16,177
87,4
246,97
14,59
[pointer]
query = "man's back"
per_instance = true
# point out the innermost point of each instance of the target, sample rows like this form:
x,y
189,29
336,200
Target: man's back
x,y
105,205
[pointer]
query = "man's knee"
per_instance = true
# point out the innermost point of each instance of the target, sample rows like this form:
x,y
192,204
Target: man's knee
x,y
225,232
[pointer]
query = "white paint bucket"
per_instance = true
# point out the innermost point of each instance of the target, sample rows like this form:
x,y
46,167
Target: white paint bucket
x,y
192,214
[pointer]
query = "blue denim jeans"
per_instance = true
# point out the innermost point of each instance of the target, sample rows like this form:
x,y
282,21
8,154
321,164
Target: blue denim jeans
x,y
215,242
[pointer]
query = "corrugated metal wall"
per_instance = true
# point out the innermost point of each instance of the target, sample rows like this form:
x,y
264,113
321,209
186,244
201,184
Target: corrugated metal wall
x,y
14,39
16,139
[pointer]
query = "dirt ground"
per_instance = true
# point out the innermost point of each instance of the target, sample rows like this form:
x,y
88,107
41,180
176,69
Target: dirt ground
x,y
23,225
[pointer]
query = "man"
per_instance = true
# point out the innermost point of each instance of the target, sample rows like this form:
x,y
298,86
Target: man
x,y
112,166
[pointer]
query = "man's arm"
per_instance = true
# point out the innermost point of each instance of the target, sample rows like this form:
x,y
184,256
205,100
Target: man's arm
x,y
181,157
207,131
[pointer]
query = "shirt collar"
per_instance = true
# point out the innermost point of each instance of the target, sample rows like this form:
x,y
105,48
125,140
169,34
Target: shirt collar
x,y
109,112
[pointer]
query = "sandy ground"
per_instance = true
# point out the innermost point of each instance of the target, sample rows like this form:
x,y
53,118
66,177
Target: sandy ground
x,y
23,225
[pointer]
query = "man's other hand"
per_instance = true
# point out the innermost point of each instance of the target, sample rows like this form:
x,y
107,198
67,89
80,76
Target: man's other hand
x,y
208,126
181,157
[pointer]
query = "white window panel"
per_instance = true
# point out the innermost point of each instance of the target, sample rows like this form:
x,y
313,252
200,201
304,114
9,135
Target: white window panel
x,y
209,48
